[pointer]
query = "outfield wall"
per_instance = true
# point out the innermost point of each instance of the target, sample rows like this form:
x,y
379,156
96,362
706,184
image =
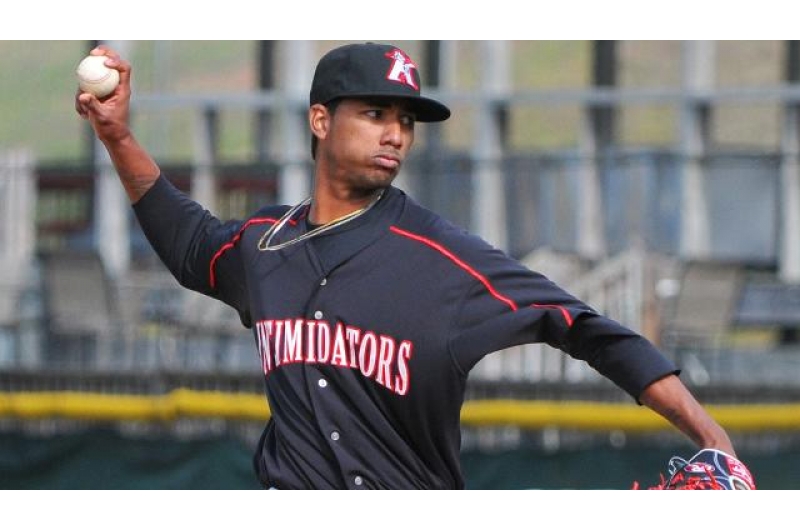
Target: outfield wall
x,y
104,459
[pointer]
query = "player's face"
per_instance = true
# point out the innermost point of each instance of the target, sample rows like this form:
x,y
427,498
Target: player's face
x,y
366,142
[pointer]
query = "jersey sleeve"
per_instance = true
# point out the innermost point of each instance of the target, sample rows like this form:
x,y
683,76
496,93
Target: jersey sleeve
x,y
511,305
190,242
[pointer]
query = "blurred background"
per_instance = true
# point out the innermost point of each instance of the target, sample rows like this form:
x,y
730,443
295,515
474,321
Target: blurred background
x,y
656,180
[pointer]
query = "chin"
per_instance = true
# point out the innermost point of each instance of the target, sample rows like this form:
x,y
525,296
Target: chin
x,y
378,181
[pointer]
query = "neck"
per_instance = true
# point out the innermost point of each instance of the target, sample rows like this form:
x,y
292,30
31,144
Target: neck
x,y
326,207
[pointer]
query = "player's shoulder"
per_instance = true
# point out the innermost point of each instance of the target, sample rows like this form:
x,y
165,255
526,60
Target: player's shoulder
x,y
423,221
273,211
417,220
267,215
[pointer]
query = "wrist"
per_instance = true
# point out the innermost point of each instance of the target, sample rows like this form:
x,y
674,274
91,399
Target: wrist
x,y
118,140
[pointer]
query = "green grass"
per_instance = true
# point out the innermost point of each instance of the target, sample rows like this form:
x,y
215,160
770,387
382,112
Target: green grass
x,y
38,86
38,89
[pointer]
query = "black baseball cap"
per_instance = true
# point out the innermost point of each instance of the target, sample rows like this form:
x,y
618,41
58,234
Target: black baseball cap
x,y
373,70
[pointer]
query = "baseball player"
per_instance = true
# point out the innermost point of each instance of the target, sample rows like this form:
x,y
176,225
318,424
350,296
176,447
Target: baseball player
x,y
367,310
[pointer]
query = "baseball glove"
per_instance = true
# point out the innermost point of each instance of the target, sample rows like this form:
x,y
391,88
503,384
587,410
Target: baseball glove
x,y
709,469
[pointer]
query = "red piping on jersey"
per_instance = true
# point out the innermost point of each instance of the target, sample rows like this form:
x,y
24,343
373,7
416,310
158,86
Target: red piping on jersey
x,y
458,262
563,310
478,275
212,278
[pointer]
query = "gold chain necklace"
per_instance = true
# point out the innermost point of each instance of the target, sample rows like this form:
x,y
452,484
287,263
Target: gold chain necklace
x,y
264,242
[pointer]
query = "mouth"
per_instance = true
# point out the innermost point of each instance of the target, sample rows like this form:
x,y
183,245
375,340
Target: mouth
x,y
387,161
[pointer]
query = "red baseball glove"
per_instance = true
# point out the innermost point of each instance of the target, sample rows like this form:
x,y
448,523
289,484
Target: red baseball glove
x,y
709,469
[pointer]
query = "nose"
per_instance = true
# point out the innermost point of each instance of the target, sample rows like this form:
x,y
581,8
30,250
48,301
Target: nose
x,y
393,133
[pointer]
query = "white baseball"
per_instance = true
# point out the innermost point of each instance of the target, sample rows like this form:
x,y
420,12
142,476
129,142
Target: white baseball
x,y
95,77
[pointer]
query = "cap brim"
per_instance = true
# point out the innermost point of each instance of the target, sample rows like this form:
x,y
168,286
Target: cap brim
x,y
425,109
428,110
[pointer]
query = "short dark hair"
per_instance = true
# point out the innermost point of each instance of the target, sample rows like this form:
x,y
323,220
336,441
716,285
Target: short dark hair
x,y
331,106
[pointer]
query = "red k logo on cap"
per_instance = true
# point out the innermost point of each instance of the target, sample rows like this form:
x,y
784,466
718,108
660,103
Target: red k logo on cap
x,y
401,69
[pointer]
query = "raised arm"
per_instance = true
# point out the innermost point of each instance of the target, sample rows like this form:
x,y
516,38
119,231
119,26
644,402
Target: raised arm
x,y
109,118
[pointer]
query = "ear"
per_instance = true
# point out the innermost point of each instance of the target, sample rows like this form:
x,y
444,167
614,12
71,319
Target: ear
x,y
319,120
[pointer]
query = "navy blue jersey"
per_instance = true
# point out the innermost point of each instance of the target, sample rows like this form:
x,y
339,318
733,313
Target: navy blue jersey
x,y
366,334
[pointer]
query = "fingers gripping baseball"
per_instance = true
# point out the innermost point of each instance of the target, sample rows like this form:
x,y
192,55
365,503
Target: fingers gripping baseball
x,y
108,115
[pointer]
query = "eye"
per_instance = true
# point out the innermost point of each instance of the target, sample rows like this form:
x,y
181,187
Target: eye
x,y
374,113
408,120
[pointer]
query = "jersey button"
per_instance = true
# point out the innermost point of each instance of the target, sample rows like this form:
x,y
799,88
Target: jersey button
x,y
358,481
322,383
324,281
335,436
318,315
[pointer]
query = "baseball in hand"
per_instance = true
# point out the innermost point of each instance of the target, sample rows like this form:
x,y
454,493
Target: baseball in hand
x,y
95,77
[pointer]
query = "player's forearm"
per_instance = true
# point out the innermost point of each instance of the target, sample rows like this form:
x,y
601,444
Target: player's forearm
x,y
672,400
136,168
